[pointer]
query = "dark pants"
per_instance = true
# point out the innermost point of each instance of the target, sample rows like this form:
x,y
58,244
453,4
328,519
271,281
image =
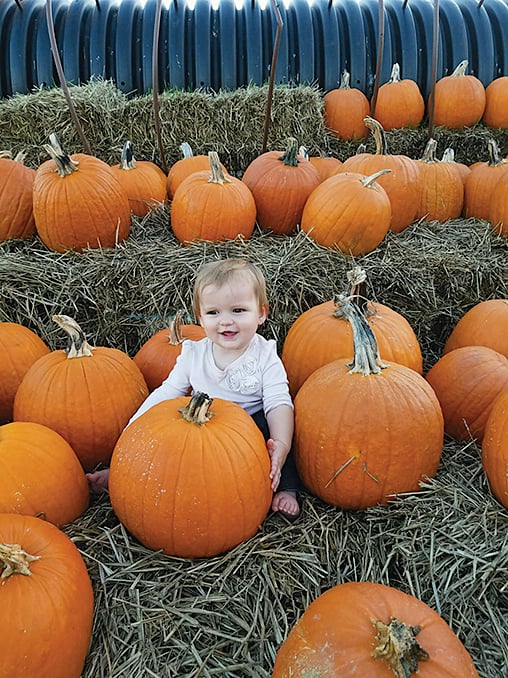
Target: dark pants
x,y
289,479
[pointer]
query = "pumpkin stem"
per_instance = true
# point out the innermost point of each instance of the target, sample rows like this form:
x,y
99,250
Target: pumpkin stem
x,y
448,155
290,156
127,159
217,175
77,347
460,70
196,412
13,560
378,133
6,154
64,163
429,154
303,152
395,74
175,330
186,149
495,157
398,647
367,181
345,80
357,279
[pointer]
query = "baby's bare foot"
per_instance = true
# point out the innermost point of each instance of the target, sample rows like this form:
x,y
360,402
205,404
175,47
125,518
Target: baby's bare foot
x,y
286,503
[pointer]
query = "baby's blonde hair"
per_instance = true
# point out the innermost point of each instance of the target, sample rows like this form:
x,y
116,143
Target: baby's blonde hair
x,y
222,272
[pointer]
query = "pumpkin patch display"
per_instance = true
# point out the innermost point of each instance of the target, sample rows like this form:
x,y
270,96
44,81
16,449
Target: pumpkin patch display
x,y
322,334
46,601
495,449
143,181
369,629
345,109
191,477
485,324
281,182
86,394
157,357
78,202
20,348
365,430
212,205
16,197
459,99
467,381
399,102
40,474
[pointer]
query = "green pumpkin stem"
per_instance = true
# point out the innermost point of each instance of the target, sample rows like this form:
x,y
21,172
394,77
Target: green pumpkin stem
x,y
290,156
196,412
397,645
13,560
77,347
65,165
127,159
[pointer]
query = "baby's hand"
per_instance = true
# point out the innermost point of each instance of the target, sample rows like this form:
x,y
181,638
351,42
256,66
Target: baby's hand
x,y
98,481
278,453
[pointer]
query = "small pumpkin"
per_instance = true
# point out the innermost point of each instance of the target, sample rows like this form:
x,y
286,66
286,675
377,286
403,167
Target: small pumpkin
x,y
157,357
461,168
20,348
86,394
495,449
365,430
16,197
484,324
47,600
481,182
40,474
186,166
370,629
143,181
207,488
467,381
345,108
459,99
212,205
399,102
326,165
348,211
281,182
442,188
78,202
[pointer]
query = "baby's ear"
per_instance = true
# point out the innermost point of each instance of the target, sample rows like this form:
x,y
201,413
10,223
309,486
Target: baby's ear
x,y
263,313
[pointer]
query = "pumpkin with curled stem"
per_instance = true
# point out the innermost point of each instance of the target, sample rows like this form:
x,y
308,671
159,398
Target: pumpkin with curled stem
x,y
365,429
86,394
371,630
46,598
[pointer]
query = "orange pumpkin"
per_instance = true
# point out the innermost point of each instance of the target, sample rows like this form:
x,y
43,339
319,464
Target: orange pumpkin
x,y
368,629
281,184
40,474
482,181
16,197
459,99
399,103
191,479
47,601
498,214
143,181
402,184
467,381
321,335
20,348
496,112
85,394
212,205
186,166
366,430
442,188
326,165
78,202
348,211
495,449
460,168
485,324
157,357
344,110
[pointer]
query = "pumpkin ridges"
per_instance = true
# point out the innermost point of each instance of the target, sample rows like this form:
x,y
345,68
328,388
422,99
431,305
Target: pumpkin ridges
x,y
495,449
16,198
442,188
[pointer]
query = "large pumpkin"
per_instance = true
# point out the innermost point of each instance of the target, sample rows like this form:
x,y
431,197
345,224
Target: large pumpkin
x,y
495,449
16,197
190,478
78,202
281,182
399,102
370,630
485,324
368,430
467,381
157,357
40,474
85,394
212,205
46,601
322,334
459,99
345,107
20,348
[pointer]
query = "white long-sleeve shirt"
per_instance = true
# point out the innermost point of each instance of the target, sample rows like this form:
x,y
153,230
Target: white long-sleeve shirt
x,y
256,380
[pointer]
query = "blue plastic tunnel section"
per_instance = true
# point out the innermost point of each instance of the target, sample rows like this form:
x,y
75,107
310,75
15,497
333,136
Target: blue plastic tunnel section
x,y
226,45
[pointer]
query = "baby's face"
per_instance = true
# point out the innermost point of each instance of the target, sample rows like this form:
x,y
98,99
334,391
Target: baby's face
x,y
230,314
